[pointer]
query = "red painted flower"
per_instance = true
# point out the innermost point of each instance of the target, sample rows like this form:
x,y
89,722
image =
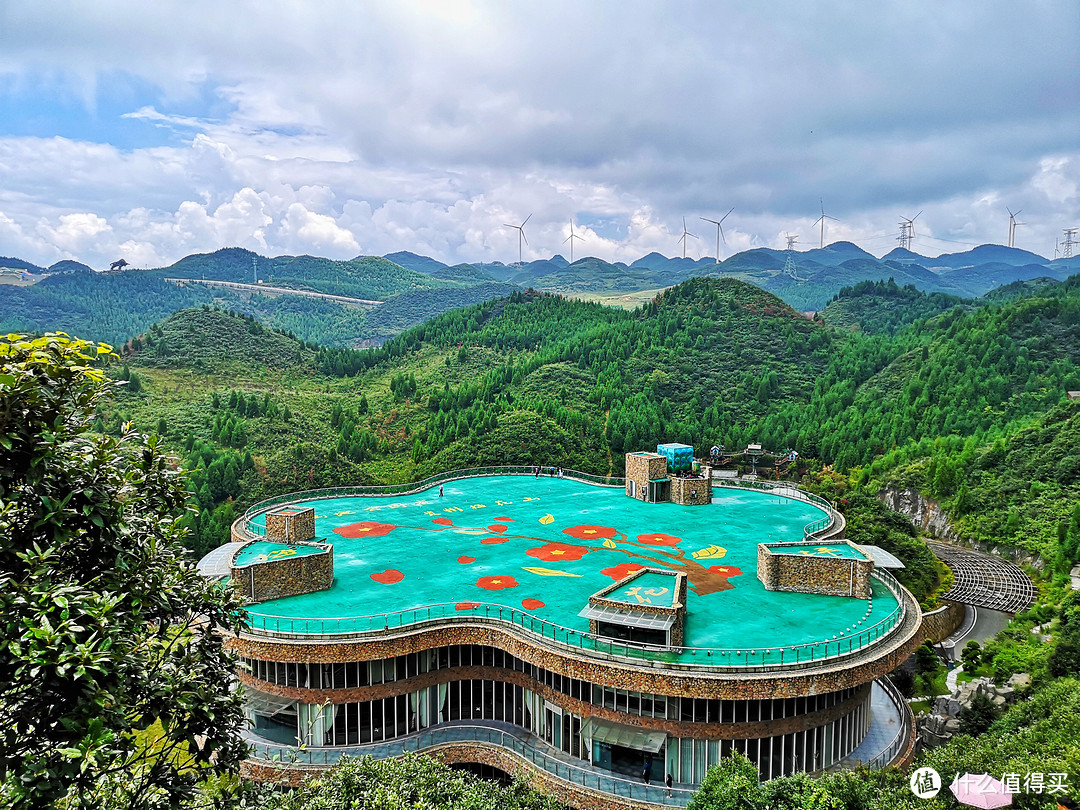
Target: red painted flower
x,y
658,539
589,532
554,552
494,541
725,570
531,604
621,570
466,560
443,521
508,520
496,583
365,528
498,528
466,606
389,576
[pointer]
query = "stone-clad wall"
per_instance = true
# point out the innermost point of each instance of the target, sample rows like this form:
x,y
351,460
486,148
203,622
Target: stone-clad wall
x,y
289,576
691,491
747,730
831,576
290,524
939,624
879,660
641,468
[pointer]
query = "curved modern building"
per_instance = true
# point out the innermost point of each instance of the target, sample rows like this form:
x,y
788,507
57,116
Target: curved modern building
x,y
557,626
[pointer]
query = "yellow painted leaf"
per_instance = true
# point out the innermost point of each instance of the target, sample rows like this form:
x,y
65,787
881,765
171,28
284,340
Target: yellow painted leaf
x,y
547,572
713,552
609,543
546,519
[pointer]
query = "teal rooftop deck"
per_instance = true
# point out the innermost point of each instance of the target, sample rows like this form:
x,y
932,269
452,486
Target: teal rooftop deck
x,y
531,551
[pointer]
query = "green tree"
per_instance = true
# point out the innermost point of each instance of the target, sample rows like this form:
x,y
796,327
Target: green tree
x,y
733,784
979,716
113,681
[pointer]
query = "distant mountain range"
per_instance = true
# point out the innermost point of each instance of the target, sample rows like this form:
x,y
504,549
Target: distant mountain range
x,y
818,274
115,306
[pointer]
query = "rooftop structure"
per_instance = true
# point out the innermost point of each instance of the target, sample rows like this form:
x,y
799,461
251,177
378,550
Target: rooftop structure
x,y
561,628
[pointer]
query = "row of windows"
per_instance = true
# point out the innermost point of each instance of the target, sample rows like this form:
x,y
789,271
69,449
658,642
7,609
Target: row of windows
x,y
686,759
696,710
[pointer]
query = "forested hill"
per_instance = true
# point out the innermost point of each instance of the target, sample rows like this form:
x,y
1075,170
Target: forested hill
x,y
536,378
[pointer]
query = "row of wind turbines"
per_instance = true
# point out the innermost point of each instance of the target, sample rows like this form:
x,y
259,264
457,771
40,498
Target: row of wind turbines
x,y
905,239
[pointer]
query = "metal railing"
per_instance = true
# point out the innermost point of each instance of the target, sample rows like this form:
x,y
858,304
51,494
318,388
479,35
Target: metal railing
x,y
742,659
829,526
525,745
903,734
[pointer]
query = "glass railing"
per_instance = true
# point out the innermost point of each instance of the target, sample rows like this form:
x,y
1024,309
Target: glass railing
x,y
526,746
247,521
799,656
902,738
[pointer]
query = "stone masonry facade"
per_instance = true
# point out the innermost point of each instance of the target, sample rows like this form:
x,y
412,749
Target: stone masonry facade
x,y
289,576
830,576
641,468
290,524
692,491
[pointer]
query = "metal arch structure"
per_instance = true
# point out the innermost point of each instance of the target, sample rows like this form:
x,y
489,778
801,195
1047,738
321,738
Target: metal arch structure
x,y
984,580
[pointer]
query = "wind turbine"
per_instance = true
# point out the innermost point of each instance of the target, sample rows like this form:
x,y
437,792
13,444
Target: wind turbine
x,y
571,239
521,234
907,231
1012,224
685,233
822,219
719,230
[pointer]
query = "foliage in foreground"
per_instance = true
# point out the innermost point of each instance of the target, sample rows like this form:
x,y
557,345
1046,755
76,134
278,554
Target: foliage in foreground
x,y
114,687
1038,735
414,782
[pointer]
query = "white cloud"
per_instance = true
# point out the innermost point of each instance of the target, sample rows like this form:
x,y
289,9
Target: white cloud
x,y
426,125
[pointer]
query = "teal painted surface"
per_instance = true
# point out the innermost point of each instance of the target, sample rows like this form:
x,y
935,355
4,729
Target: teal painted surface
x,y
472,547
262,551
836,550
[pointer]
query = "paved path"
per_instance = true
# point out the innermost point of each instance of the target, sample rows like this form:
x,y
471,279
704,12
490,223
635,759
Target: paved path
x,y
950,679
264,289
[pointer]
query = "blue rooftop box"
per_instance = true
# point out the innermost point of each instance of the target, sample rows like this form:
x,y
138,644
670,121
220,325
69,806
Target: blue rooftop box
x,y
679,456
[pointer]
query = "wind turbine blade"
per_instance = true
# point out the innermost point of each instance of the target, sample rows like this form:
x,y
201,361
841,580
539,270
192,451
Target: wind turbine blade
x,y
713,221
721,227
526,220
916,216
567,239
508,225
725,216
523,236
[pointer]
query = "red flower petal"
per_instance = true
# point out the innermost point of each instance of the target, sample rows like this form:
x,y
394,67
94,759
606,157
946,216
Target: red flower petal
x,y
443,521
466,560
496,583
494,541
621,570
588,531
658,539
531,604
725,570
389,576
366,528
496,527
554,552
508,520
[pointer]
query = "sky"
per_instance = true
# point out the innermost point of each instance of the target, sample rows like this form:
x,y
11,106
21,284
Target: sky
x,y
150,131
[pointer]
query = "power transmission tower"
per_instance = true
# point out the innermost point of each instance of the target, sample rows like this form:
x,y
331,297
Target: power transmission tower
x,y
1067,245
907,231
789,263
